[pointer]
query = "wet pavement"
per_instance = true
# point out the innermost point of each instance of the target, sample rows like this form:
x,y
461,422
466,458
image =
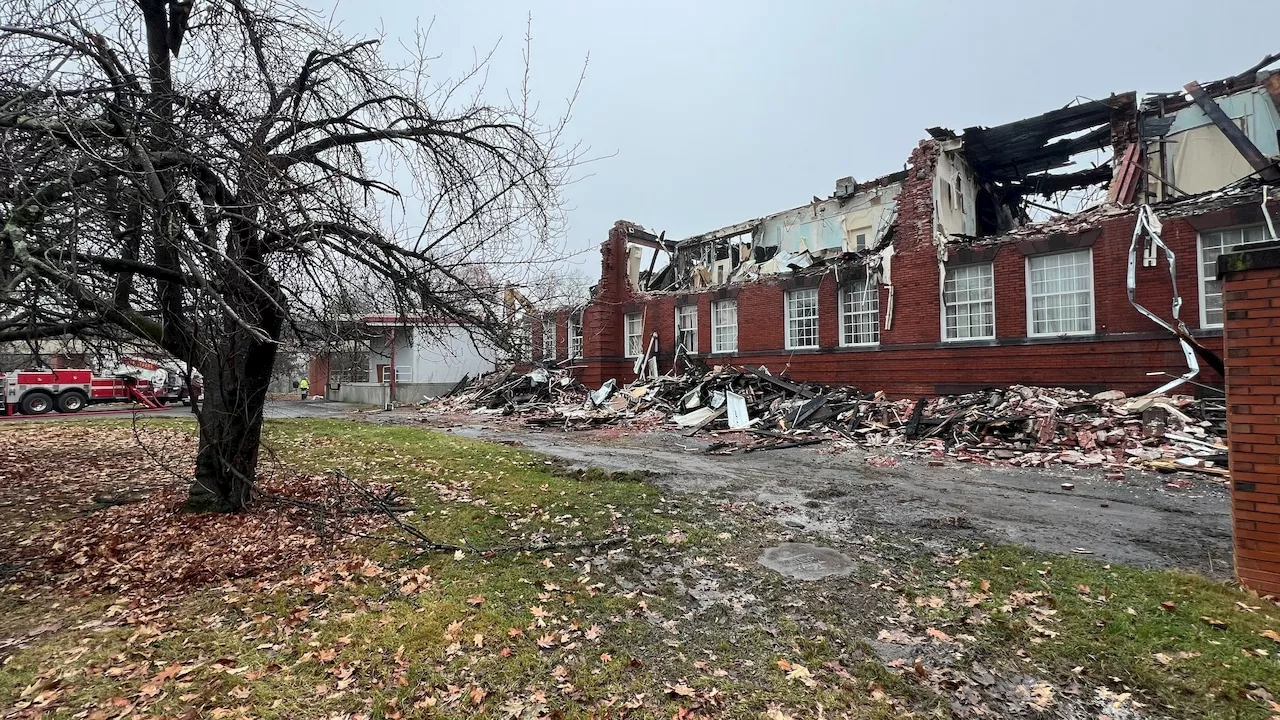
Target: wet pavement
x,y
1137,521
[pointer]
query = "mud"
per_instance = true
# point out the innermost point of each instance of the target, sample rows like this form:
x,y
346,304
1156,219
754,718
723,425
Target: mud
x,y
1135,521
803,561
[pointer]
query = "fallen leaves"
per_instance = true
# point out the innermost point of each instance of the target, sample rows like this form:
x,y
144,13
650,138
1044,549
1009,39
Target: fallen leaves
x,y
797,673
938,635
153,546
680,690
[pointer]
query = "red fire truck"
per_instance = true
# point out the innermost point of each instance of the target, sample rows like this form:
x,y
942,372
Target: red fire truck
x,y
35,392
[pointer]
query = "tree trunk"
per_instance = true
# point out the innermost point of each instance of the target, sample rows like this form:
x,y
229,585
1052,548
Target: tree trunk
x,y
235,393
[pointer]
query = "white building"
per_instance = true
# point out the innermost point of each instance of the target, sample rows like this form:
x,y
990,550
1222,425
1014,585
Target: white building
x,y
418,356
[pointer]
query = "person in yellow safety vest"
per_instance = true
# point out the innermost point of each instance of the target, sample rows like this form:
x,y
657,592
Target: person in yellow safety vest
x,y
302,387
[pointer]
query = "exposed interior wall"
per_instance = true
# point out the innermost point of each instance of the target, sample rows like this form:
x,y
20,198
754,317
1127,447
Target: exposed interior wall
x,y
954,190
1200,158
822,229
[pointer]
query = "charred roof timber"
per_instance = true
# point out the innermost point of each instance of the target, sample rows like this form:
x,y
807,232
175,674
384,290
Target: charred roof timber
x,y
1017,150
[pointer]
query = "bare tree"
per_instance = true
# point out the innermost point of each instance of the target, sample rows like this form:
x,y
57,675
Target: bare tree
x,y
209,176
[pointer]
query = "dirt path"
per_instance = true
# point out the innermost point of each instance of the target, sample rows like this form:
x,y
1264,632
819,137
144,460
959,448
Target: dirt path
x,y
1136,521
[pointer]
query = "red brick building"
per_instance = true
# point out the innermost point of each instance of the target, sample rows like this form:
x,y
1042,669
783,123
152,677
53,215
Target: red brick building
x,y
1251,285
947,277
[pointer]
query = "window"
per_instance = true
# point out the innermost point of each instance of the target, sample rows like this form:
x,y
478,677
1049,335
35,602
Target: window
x,y
724,326
1060,293
525,341
860,313
403,373
575,336
1212,245
687,328
802,319
969,308
861,242
633,325
549,339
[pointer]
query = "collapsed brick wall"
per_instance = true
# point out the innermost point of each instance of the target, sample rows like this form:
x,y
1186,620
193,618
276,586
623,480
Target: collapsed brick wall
x,y
602,339
1251,302
916,305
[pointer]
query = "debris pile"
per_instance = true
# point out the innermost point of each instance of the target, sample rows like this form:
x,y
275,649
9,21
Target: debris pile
x,y
745,409
1035,427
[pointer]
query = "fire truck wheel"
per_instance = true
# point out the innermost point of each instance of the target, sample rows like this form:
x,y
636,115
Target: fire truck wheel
x,y
36,403
72,401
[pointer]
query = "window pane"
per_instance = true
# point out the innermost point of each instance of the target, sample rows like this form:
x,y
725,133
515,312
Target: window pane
x,y
575,337
968,295
687,328
634,331
724,326
549,339
860,313
1211,246
802,318
1061,293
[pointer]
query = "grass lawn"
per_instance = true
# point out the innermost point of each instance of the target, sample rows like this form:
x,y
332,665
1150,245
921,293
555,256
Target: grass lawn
x,y
676,620
1192,647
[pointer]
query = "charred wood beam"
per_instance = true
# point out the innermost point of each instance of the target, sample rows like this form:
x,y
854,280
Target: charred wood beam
x,y
1010,151
1017,161
1049,184
1264,166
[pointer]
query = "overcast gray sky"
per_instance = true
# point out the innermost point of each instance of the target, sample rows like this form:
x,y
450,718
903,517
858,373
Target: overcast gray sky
x,y
712,112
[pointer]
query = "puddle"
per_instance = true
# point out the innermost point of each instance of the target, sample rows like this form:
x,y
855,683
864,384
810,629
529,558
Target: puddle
x,y
803,561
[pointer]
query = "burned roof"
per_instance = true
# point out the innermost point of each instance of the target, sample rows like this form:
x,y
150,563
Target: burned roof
x,y
747,226
1017,149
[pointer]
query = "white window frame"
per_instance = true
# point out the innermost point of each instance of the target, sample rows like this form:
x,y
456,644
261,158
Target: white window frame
x,y
943,303
402,373
687,312
1093,308
721,329
791,300
549,339
526,342
628,349
848,321
1202,279
575,336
